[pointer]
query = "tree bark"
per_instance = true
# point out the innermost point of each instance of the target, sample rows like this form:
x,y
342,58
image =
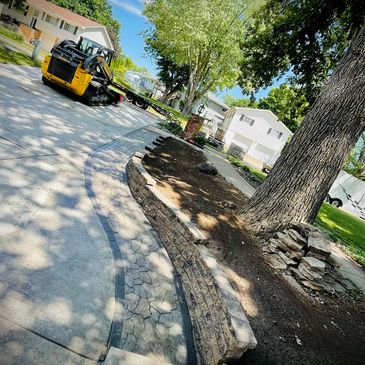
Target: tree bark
x,y
308,166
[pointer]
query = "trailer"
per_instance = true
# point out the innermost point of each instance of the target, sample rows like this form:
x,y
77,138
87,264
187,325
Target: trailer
x,y
142,101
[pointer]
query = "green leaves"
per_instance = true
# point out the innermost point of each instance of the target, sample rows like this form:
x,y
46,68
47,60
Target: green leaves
x,y
202,34
305,37
287,104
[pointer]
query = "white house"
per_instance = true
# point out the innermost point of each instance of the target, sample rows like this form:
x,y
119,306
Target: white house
x,y
213,112
145,83
51,23
258,132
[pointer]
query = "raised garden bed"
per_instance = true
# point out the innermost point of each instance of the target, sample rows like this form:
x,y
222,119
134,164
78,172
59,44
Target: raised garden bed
x,y
290,328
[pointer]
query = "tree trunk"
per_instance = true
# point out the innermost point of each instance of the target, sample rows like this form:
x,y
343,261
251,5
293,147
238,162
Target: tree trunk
x,y
165,95
308,166
188,106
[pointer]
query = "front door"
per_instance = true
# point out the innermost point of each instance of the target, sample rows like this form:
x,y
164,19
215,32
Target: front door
x,y
33,23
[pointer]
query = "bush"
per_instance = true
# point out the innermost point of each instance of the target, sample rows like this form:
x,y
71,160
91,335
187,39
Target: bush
x,y
11,34
200,139
236,151
173,127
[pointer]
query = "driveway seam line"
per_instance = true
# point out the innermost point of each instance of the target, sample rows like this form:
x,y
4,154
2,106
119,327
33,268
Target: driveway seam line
x,y
48,339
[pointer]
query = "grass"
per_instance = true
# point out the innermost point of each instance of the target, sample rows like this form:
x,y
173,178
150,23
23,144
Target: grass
x,y
8,56
345,228
257,175
11,34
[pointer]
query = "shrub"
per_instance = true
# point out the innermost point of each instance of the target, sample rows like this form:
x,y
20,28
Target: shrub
x,y
200,139
173,127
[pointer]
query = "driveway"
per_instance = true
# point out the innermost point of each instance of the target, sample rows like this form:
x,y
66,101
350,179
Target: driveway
x,y
57,270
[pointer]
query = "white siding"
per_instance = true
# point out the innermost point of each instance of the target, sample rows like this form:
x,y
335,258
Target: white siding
x,y
96,35
255,137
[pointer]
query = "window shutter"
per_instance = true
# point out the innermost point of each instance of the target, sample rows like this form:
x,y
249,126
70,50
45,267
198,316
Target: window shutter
x,y
76,29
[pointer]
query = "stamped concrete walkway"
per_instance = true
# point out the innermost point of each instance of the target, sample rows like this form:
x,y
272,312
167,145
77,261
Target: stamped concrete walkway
x,y
151,317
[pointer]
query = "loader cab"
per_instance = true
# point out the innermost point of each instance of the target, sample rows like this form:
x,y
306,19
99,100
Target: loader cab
x,y
91,48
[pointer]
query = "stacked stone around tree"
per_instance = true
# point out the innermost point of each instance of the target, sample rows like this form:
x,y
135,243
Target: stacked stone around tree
x,y
303,253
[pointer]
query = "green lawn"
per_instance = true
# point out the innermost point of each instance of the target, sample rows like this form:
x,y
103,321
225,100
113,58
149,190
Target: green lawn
x,y
345,228
8,56
11,34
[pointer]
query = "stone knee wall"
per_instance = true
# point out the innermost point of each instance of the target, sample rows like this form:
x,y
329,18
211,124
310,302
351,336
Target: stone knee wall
x,y
215,337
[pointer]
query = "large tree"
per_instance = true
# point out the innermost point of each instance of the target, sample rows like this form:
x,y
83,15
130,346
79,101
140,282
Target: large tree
x,y
201,34
98,10
174,76
302,176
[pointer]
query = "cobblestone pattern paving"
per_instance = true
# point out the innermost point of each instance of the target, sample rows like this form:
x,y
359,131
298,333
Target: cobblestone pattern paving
x,y
151,316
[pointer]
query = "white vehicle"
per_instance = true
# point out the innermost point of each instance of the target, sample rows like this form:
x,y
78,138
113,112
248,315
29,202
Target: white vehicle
x,y
348,192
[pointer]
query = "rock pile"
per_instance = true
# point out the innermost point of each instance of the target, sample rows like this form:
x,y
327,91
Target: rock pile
x,y
303,253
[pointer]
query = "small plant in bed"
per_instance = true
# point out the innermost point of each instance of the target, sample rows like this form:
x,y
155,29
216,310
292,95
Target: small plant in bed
x,y
200,139
173,126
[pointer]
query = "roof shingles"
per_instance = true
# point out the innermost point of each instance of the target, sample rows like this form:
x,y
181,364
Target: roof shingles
x,y
63,13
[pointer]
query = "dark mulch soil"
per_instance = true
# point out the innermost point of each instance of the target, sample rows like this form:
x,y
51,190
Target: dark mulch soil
x,y
280,318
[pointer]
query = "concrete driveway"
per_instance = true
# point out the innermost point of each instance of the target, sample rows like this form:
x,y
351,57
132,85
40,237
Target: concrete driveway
x,y
57,274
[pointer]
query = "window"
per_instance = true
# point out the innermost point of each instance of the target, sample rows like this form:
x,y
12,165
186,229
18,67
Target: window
x,y
36,13
51,20
247,120
43,16
70,28
274,133
61,25
26,10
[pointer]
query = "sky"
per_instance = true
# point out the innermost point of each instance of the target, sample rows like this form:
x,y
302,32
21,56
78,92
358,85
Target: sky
x,y
129,14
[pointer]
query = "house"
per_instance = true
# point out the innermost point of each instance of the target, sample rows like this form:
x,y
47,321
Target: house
x,y
51,24
214,112
257,132
145,83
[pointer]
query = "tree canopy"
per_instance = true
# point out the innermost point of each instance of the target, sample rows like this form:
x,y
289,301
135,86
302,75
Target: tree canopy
x,y
303,38
287,104
17,4
204,35
98,10
244,102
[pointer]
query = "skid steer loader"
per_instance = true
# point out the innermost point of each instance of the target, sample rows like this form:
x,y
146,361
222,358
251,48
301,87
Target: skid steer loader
x,y
83,69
